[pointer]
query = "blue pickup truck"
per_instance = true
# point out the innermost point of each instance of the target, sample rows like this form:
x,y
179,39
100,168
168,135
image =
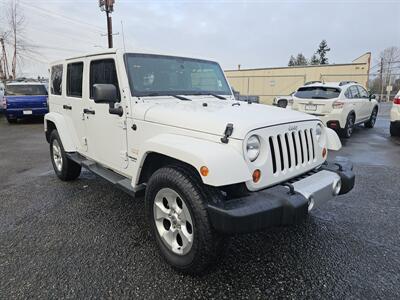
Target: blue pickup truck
x,y
25,99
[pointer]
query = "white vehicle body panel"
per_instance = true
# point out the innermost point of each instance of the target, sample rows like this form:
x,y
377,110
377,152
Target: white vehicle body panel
x,y
395,111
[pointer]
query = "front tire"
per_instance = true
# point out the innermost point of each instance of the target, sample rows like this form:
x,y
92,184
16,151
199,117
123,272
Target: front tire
x,y
372,119
347,131
176,209
65,168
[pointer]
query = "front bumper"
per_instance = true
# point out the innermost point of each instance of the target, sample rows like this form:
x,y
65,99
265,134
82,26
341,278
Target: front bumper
x,y
283,204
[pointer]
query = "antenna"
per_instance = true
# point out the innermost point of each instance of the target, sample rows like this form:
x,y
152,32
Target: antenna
x,y
123,35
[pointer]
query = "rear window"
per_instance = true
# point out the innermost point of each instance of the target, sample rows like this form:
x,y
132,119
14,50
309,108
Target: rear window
x,y
26,90
317,92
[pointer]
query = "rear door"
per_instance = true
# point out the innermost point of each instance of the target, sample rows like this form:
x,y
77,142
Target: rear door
x,y
366,104
356,102
73,103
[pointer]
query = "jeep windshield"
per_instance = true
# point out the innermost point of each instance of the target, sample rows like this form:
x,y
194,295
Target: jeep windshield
x,y
317,92
156,75
25,90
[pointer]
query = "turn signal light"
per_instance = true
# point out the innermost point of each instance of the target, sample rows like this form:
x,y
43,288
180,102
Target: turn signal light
x,y
324,152
256,175
204,171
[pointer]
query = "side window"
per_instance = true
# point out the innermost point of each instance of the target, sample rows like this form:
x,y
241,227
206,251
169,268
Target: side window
x,y
354,92
74,79
348,94
56,80
103,71
363,92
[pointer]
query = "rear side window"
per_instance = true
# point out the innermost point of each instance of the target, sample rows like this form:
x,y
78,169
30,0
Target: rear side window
x,y
74,79
317,92
103,71
363,93
25,90
354,92
56,80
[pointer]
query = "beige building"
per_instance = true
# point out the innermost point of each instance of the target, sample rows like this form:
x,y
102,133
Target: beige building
x,y
270,82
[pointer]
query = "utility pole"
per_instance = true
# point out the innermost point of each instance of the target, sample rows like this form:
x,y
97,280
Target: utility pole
x,y
381,71
108,7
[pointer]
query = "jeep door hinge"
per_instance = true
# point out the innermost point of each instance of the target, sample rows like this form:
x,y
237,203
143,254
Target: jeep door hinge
x,y
123,124
124,155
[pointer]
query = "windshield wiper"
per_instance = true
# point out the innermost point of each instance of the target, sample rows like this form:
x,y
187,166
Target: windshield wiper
x,y
181,98
210,94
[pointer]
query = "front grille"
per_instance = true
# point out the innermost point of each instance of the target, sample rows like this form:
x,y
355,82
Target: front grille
x,y
292,149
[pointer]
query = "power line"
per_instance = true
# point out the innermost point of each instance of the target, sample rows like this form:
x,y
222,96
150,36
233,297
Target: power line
x,y
54,14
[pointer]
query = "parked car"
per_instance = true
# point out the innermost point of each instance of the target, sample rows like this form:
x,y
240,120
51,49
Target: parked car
x,y
283,101
395,116
247,98
24,99
210,165
340,105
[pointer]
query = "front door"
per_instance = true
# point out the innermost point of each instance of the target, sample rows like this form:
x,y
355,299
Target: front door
x,y
105,132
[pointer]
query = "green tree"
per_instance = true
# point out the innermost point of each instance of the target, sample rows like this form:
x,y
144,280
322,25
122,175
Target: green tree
x,y
322,51
292,61
301,60
314,60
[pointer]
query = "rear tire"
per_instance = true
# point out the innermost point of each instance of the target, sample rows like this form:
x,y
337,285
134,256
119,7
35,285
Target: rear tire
x,y
347,131
372,119
65,168
395,128
11,120
176,207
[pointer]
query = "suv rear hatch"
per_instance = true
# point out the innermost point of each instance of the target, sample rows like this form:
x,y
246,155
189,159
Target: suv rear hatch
x,y
316,100
26,96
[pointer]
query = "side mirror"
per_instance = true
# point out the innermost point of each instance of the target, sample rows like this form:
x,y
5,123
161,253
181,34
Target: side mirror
x,y
104,93
372,96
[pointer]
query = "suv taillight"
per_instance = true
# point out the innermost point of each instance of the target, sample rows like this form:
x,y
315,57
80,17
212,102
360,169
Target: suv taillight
x,y
337,104
396,100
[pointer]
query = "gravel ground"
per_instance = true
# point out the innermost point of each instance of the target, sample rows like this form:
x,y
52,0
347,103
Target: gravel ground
x,y
85,239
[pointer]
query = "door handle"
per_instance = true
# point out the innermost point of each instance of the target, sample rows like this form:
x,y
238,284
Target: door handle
x,y
67,107
88,111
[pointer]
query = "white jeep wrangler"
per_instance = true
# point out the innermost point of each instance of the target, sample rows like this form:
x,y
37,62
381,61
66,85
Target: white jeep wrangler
x,y
210,166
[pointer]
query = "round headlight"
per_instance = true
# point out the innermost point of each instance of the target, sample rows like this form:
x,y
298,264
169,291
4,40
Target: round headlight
x,y
253,147
318,132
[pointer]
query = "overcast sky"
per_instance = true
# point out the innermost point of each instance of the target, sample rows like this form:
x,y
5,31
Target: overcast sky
x,y
250,33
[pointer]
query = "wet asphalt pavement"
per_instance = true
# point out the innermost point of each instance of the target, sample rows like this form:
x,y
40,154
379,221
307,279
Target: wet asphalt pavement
x,y
86,239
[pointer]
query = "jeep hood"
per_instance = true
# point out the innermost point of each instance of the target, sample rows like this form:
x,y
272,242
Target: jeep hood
x,y
213,116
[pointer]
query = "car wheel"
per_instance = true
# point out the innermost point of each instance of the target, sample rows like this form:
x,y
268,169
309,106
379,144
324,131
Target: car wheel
x,y
395,128
282,103
176,208
372,119
11,120
347,131
65,168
